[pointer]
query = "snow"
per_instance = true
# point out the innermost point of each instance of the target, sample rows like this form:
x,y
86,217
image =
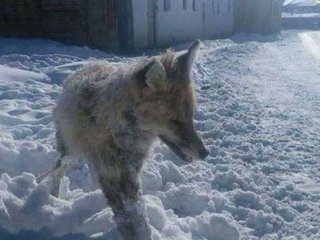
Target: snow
x,y
301,3
300,15
258,113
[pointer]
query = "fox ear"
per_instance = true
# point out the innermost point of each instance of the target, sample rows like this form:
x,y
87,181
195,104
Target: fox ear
x,y
153,75
184,62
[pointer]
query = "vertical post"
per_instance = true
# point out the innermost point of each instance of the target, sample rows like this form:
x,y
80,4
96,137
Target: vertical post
x,y
151,16
125,25
204,34
155,22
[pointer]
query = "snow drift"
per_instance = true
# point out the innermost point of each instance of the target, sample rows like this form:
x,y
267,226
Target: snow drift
x,y
258,111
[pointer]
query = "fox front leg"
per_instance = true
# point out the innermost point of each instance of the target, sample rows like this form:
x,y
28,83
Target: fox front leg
x,y
133,203
123,196
59,171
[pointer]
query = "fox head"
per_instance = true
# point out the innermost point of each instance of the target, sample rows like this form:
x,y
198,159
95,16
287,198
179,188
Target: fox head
x,y
166,103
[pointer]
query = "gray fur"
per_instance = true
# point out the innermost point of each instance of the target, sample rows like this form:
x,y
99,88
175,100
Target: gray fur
x,y
111,116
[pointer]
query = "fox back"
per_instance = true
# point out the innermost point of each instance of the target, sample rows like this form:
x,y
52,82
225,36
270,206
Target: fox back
x,y
130,106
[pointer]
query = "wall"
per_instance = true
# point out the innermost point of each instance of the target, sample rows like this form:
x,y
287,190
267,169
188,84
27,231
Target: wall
x,y
60,20
123,24
258,16
177,25
219,18
124,16
187,20
140,23
20,18
84,22
176,21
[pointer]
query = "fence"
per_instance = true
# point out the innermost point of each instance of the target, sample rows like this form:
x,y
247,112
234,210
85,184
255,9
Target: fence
x,y
82,22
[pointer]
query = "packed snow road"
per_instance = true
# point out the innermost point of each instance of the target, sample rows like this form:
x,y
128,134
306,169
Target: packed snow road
x,y
258,112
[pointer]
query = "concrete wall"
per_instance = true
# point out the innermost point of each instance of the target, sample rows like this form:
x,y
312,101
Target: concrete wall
x,y
186,20
177,24
167,22
219,18
258,16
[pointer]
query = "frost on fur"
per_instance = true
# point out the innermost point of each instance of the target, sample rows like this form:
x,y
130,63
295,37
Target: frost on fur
x,y
111,117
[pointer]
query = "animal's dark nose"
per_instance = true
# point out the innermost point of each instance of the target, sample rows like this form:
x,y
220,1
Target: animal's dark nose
x,y
203,153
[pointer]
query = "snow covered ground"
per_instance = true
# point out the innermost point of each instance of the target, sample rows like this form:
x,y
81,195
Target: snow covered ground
x,y
258,112
301,15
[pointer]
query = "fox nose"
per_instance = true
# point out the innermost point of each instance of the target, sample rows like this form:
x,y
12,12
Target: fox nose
x,y
203,153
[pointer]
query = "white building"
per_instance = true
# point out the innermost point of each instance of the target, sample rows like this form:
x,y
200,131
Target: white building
x,y
167,22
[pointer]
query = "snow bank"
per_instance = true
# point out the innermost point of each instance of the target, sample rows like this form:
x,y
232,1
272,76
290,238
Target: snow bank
x,y
26,205
301,3
11,74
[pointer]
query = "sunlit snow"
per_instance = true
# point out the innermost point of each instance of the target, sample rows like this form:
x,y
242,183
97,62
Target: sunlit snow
x,y
258,113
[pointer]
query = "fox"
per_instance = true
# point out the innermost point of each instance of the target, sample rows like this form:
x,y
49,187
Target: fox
x,y
112,115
